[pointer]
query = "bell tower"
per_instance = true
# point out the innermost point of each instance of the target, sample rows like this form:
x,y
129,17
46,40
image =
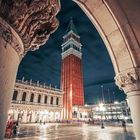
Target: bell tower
x,y
71,72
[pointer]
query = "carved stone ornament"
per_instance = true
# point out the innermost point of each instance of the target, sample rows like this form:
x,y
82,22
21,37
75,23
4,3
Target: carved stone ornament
x,y
33,20
84,1
11,37
5,34
129,81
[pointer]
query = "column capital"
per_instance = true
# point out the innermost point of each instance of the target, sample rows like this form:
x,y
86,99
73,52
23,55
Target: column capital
x,y
129,80
34,21
11,37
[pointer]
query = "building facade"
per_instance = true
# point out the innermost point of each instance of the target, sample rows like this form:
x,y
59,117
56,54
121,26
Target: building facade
x,y
112,111
82,113
71,77
33,102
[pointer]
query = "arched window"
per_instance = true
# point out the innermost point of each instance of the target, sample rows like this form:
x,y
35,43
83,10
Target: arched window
x,y
39,98
15,95
32,97
45,100
51,100
24,96
57,101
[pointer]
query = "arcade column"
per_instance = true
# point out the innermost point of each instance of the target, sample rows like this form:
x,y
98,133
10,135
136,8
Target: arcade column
x,y
129,81
24,26
11,50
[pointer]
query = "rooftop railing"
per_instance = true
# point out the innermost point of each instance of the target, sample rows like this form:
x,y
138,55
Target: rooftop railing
x,y
37,84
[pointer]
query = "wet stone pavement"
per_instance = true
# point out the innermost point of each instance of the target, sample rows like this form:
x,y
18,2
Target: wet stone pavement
x,y
72,132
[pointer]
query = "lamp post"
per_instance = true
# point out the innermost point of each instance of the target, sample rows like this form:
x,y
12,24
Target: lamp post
x,y
114,100
110,103
102,93
114,96
102,109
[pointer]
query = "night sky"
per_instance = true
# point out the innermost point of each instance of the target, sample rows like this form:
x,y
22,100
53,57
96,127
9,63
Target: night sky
x,y
45,64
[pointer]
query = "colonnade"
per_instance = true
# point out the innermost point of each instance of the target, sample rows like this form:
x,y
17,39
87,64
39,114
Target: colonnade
x,y
34,116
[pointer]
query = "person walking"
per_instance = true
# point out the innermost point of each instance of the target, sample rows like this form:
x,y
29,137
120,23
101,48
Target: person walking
x,y
14,129
124,125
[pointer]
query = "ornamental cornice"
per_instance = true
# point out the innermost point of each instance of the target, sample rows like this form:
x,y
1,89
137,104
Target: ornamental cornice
x,y
129,80
34,107
71,51
33,20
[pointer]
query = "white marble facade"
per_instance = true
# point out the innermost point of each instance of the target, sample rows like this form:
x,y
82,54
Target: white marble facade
x,y
33,102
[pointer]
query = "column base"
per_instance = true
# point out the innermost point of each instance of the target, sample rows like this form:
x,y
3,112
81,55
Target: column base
x,y
134,103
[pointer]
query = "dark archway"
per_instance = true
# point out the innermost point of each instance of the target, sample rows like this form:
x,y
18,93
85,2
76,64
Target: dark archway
x,y
39,98
57,101
32,97
45,100
51,100
15,94
24,96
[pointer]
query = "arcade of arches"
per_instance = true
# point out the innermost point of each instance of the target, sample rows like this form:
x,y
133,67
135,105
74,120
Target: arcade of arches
x,y
117,22
33,102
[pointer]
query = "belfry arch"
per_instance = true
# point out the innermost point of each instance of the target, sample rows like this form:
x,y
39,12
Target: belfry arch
x,y
118,25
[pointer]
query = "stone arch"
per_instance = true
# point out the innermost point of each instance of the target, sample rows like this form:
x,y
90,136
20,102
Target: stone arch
x,y
114,28
118,25
17,37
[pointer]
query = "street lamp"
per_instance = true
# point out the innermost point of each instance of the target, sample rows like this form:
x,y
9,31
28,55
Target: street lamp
x,y
102,93
114,96
110,104
102,109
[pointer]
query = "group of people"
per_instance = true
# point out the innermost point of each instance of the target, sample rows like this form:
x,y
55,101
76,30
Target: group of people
x,y
124,125
11,128
41,122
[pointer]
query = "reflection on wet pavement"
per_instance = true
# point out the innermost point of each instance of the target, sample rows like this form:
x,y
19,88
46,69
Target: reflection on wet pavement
x,y
72,132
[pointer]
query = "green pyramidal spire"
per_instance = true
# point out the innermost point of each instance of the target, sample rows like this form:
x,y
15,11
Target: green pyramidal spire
x,y
71,27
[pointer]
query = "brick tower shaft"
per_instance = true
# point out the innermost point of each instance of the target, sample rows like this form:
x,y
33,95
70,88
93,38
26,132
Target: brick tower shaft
x,y
71,76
